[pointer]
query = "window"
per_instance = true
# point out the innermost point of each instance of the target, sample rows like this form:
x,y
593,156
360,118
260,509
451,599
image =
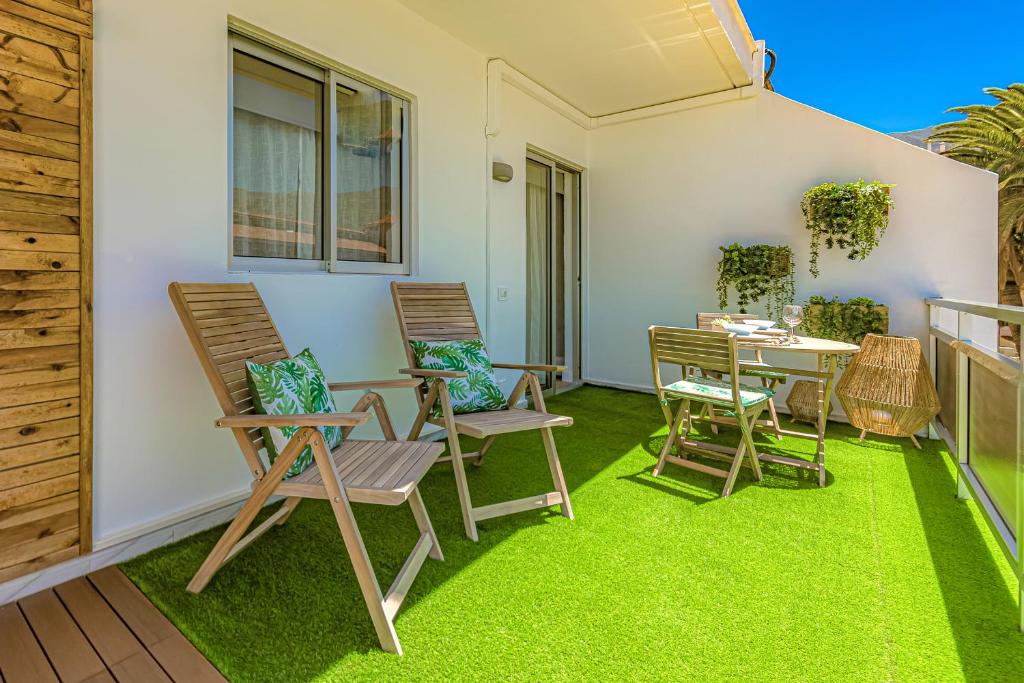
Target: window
x,y
298,203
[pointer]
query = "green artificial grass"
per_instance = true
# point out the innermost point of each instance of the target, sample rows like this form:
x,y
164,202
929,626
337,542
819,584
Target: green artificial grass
x,y
881,575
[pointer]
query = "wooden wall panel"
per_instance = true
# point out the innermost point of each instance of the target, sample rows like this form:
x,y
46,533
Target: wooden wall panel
x,y
45,283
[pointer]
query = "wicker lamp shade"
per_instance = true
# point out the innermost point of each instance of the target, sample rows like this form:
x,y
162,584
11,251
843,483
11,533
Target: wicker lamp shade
x,y
887,388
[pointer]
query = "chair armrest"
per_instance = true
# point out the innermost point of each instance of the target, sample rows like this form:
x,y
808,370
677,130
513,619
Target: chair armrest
x,y
529,367
298,420
376,384
421,372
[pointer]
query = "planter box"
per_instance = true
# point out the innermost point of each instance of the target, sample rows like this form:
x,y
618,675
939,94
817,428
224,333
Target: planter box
x,y
813,312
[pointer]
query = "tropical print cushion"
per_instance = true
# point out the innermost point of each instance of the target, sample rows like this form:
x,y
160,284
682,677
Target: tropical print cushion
x,y
475,393
288,387
714,390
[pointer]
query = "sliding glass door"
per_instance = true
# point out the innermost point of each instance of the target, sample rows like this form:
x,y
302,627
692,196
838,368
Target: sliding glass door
x,y
553,267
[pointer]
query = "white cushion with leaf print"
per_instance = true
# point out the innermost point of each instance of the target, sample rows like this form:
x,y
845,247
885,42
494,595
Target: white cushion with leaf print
x,y
478,391
289,387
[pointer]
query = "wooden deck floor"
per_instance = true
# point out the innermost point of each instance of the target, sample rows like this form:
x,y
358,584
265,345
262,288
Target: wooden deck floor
x,y
95,628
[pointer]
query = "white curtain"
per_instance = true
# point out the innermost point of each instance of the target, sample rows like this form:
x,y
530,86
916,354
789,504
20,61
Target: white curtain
x,y
275,188
369,176
537,180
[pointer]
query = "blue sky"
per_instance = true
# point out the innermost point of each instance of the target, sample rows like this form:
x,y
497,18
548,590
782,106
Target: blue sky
x,y
894,65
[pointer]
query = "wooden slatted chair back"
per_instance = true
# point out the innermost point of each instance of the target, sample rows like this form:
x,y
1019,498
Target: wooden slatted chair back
x,y
228,324
433,312
705,349
705,321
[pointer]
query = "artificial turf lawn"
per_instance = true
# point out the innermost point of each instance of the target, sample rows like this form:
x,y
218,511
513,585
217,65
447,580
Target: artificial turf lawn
x,y
881,575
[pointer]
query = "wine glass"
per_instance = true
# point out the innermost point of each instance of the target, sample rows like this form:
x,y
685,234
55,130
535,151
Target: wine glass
x,y
793,315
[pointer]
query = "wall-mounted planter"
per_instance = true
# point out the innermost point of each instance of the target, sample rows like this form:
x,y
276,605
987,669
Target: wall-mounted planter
x,y
847,321
754,272
849,216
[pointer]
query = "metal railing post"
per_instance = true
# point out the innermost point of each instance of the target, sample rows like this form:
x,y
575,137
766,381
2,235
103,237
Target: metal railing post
x,y
963,366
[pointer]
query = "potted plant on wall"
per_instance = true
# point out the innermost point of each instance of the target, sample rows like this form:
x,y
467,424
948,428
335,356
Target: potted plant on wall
x,y
754,272
846,321
851,216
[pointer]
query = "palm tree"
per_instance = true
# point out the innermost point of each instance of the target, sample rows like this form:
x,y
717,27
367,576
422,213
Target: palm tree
x,y
992,137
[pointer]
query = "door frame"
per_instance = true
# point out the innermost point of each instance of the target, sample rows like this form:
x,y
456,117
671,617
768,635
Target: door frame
x,y
579,327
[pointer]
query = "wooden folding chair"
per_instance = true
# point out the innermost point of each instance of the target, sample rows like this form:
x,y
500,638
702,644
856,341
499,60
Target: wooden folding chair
x,y
443,312
711,353
229,324
758,368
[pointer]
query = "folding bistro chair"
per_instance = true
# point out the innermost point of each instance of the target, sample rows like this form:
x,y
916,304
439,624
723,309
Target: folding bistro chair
x,y
229,324
443,312
709,352
756,368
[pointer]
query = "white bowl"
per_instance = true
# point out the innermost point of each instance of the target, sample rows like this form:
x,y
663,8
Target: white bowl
x,y
761,324
739,328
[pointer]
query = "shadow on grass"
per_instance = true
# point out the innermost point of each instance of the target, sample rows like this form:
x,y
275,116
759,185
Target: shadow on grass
x,y
983,614
289,607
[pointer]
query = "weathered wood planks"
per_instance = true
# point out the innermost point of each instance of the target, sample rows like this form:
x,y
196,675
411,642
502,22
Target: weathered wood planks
x,y
45,282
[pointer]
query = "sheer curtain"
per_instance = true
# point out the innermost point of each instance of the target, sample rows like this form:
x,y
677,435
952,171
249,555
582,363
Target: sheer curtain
x,y
537,216
368,176
276,195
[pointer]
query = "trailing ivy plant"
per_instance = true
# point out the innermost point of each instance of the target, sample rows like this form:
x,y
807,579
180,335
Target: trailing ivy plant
x,y
850,216
843,321
760,270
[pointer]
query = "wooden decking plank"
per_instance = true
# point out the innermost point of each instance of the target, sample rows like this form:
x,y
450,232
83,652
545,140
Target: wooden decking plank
x,y
169,647
21,657
116,645
67,647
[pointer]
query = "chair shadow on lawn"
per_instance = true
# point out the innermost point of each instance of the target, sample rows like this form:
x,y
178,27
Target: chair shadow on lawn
x,y
297,580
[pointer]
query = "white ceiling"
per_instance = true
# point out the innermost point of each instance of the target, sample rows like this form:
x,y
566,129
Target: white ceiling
x,y
607,56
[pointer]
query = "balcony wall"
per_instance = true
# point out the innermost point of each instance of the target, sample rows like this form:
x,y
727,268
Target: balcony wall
x,y
665,192
161,215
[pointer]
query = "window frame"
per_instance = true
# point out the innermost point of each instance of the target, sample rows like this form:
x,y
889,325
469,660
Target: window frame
x,y
286,55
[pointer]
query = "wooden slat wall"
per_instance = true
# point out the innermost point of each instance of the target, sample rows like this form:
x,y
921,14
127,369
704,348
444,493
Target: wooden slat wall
x,y
45,283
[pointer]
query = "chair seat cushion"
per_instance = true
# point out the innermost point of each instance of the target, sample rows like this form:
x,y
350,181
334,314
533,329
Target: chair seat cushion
x,y
711,390
287,387
754,369
477,392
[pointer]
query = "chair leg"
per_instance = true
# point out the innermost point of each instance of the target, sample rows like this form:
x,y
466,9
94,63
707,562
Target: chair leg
x,y
672,429
684,430
361,564
747,427
419,512
222,551
486,446
771,409
734,470
711,416
556,470
291,504
455,450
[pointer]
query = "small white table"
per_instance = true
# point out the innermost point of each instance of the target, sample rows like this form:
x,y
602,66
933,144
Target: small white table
x,y
827,353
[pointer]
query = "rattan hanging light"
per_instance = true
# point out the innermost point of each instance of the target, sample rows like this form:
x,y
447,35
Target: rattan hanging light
x,y
887,388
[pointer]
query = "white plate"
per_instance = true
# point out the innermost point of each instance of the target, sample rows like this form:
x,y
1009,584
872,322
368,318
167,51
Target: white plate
x,y
739,328
761,324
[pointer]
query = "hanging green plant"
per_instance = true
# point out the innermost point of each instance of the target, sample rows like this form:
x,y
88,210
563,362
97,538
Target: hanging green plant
x,y
845,321
850,216
754,272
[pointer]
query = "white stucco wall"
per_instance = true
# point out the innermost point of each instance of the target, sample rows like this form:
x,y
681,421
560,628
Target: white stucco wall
x,y
525,121
161,143
665,192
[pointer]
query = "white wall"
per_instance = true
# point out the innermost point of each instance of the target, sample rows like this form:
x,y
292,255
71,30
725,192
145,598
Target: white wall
x,y
665,192
525,121
161,73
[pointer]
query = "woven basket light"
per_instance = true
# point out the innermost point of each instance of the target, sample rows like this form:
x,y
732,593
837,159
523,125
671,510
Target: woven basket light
x,y
803,402
887,388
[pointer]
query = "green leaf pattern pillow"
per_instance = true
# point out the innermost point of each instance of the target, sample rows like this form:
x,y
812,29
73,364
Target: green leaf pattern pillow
x,y
288,387
475,393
